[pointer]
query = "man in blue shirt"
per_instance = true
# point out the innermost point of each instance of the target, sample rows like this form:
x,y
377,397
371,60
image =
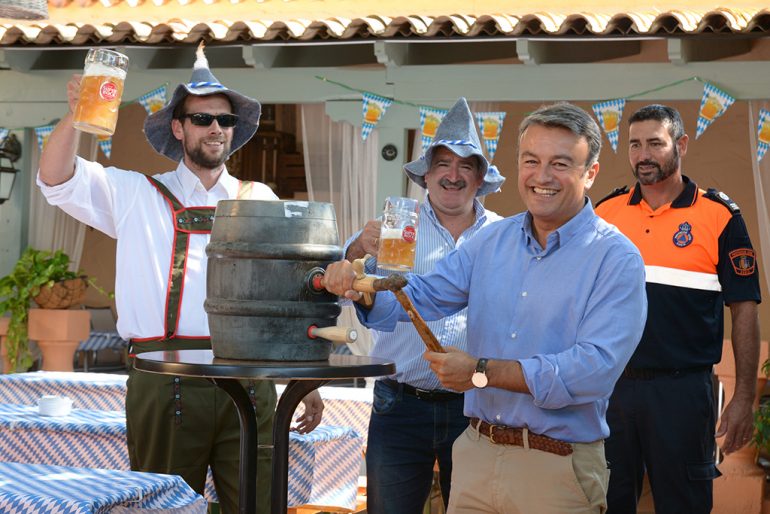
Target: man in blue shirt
x,y
556,306
414,420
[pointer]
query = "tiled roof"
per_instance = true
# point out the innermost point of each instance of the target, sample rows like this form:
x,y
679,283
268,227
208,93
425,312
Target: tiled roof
x,y
158,22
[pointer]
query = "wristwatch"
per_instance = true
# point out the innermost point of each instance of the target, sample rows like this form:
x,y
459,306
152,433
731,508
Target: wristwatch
x,y
479,377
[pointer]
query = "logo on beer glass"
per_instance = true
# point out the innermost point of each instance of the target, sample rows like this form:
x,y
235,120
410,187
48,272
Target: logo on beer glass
x,y
108,91
398,236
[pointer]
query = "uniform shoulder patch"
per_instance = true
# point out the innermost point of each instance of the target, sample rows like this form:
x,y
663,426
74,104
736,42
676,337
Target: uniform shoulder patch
x,y
720,197
743,261
615,192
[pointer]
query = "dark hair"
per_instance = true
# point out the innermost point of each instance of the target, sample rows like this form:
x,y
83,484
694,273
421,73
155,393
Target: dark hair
x,y
180,111
664,114
572,118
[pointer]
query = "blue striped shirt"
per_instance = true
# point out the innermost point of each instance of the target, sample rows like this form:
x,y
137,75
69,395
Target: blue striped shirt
x,y
404,346
571,313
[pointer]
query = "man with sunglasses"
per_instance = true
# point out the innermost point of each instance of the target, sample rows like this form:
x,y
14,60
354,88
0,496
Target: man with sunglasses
x,y
175,425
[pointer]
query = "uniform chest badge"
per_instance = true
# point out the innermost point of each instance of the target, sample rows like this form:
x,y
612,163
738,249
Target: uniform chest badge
x,y
683,237
743,261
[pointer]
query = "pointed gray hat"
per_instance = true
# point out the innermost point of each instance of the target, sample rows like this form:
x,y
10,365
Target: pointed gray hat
x,y
458,133
157,126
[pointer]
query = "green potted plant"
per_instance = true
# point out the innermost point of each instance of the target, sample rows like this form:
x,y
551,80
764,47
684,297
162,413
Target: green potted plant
x,y
46,278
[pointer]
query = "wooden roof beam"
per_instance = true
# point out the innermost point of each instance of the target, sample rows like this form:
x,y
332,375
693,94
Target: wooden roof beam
x,y
684,50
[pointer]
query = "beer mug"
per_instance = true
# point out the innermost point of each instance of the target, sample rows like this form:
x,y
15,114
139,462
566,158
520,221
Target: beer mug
x,y
398,235
100,92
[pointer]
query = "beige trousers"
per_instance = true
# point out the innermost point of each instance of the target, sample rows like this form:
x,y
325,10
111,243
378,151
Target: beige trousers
x,y
505,479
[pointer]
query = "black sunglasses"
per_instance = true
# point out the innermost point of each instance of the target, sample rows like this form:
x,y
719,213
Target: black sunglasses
x,y
202,119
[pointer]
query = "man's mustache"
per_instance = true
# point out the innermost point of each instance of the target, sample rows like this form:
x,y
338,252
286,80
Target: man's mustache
x,y
444,182
646,163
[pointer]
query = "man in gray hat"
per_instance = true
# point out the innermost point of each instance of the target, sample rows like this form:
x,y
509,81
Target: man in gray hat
x,y
175,425
414,420
556,306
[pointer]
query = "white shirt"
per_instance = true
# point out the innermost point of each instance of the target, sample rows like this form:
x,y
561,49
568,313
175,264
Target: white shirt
x,y
124,205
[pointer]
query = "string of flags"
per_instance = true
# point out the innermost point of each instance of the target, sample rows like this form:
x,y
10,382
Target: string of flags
x,y
152,101
609,113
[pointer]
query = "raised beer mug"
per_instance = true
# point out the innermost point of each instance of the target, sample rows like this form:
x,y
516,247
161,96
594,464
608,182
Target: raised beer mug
x,y
100,92
398,235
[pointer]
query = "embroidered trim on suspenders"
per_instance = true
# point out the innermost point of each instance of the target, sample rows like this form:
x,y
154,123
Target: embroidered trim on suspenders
x,y
187,220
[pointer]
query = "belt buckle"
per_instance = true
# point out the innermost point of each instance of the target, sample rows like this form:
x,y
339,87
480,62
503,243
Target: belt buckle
x,y
422,394
492,433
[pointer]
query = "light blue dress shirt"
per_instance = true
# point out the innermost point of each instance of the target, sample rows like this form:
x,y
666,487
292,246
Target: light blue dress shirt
x,y
403,345
571,313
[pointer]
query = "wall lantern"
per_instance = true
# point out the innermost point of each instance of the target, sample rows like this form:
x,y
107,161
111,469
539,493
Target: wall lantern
x,y
10,151
24,9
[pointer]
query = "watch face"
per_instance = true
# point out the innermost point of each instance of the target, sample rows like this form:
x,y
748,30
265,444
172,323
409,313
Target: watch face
x,y
479,380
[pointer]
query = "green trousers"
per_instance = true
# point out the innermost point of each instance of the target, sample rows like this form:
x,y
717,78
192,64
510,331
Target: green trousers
x,y
181,426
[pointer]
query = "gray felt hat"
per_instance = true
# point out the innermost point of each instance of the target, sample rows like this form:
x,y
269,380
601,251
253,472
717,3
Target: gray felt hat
x,y
458,133
157,126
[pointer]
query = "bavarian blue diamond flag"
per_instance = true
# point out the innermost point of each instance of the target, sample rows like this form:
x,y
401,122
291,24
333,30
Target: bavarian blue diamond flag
x,y
609,114
105,143
430,119
154,100
374,108
42,135
713,104
490,124
763,133
3,134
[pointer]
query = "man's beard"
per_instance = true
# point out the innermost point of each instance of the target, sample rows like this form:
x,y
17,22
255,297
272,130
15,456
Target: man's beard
x,y
665,170
199,157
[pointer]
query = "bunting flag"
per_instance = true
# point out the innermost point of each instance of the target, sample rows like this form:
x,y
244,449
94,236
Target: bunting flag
x,y
374,107
154,100
105,143
3,134
713,104
763,133
42,135
609,114
430,119
490,123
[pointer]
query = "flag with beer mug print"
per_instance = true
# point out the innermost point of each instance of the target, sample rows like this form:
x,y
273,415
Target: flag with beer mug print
x,y
713,104
430,119
763,133
490,124
609,114
374,107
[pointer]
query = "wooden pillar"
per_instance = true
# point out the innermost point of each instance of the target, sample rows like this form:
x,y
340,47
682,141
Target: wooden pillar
x,y
58,333
741,488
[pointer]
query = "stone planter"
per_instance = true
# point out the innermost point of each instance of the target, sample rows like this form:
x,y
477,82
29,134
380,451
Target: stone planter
x,y
58,334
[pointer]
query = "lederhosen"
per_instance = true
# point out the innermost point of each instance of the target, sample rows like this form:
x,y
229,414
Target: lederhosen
x,y
182,426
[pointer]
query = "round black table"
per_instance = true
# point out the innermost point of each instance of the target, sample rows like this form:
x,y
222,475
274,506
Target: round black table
x,y
304,377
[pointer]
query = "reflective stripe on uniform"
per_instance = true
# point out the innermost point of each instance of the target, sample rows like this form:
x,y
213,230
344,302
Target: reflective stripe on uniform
x,y
682,278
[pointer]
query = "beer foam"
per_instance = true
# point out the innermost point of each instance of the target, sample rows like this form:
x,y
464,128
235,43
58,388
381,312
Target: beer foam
x,y
390,233
97,68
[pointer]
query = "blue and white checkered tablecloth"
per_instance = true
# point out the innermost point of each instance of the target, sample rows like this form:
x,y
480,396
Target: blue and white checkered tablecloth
x,y
34,488
323,465
98,391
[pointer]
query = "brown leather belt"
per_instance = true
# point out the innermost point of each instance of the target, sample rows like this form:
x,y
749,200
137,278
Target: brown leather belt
x,y
500,434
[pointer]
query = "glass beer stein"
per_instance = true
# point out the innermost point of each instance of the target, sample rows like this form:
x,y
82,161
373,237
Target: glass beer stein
x,y
398,236
100,92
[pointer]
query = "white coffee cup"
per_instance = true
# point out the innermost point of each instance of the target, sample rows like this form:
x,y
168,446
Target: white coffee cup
x,y
50,405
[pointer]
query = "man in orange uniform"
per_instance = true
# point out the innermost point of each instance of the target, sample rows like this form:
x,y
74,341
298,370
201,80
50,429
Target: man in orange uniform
x,y
698,258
